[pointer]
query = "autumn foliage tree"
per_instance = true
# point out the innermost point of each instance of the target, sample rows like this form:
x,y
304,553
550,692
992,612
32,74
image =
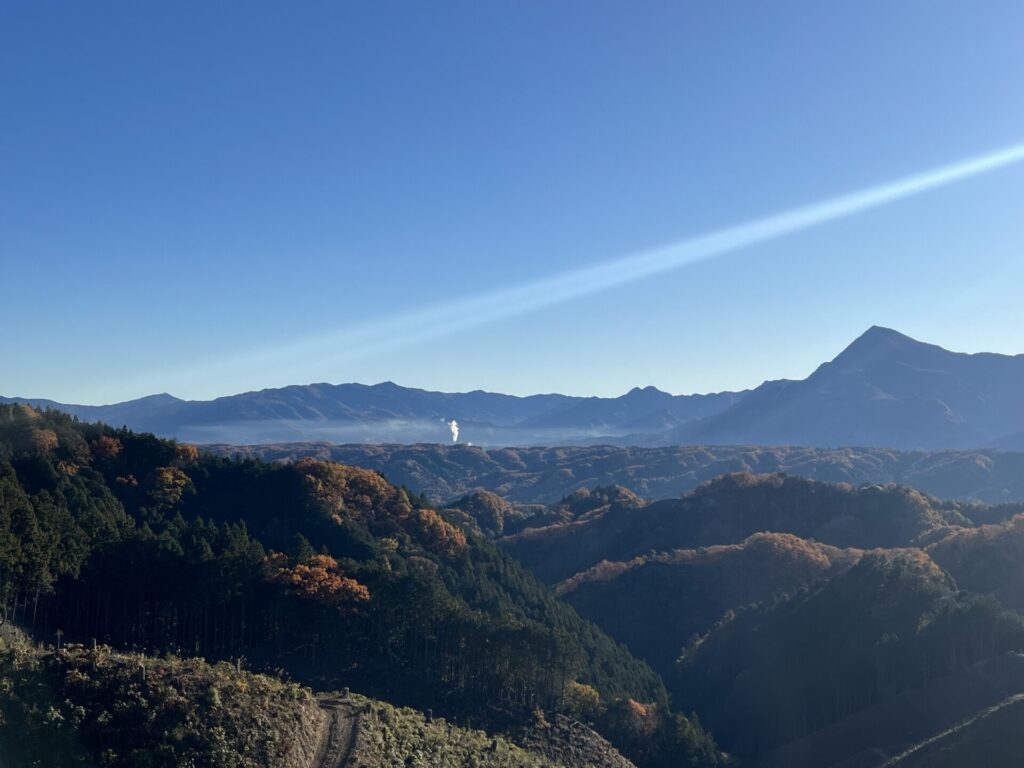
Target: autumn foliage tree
x,y
320,579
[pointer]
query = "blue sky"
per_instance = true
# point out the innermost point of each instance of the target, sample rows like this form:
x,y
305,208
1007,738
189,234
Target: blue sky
x,y
189,192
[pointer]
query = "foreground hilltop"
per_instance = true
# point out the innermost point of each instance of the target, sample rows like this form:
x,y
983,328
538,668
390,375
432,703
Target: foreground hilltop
x,y
327,572
96,706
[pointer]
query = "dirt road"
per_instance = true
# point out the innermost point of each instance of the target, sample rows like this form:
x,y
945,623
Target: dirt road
x,y
338,734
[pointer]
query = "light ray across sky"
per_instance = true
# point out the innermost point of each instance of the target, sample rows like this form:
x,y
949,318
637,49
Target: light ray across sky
x,y
402,330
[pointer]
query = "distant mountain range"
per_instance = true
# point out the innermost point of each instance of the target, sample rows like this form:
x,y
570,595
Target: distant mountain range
x,y
884,390
389,413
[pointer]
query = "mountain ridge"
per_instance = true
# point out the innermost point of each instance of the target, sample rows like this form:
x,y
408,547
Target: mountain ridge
x,y
388,412
884,389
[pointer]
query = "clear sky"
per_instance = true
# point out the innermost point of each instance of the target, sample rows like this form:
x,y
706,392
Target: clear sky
x,y
212,197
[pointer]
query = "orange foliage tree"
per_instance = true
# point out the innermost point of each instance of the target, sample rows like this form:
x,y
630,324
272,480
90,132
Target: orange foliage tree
x,y
349,492
106,447
319,578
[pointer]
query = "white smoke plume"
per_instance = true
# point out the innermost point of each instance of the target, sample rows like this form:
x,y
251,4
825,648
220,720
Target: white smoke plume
x,y
453,425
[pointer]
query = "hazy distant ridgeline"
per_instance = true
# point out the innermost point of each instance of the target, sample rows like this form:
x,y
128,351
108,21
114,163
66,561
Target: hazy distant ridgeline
x,y
545,475
884,390
389,413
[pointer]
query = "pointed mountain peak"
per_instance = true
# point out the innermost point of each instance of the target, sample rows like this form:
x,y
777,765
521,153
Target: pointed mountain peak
x,y
880,334
884,346
879,340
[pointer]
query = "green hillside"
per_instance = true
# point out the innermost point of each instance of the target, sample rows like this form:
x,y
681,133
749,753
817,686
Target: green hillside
x,y
656,604
326,571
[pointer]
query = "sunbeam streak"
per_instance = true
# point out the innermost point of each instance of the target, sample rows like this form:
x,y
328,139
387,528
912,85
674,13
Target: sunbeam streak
x,y
440,320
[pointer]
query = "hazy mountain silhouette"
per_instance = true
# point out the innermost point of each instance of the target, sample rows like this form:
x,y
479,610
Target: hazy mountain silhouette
x,y
641,409
884,390
388,412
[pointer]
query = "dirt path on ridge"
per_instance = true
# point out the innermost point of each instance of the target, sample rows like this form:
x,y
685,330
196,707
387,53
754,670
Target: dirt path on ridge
x,y
337,735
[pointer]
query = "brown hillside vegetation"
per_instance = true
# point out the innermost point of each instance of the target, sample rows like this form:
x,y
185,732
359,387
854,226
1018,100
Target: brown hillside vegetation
x,y
490,515
398,736
99,707
988,559
493,516
731,508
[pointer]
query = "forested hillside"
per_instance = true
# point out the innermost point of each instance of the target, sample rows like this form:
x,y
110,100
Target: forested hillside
x,y
892,622
776,608
733,507
783,610
657,603
325,570
988,558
